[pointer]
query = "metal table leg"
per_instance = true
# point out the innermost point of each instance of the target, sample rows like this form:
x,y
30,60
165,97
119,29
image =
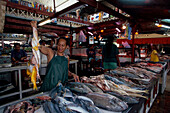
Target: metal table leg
x,y
76,68
16,78
20,85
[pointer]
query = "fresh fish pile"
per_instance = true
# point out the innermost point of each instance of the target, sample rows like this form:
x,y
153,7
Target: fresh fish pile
x,y
108,102
78,87
61,100
150,66
21,107
93,88
164,57
125,98
34,63
109,84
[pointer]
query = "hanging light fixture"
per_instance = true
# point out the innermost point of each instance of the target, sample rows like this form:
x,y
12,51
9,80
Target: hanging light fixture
x,y
41,23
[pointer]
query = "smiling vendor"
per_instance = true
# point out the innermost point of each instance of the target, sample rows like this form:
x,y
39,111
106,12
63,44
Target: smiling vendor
x,y
58,64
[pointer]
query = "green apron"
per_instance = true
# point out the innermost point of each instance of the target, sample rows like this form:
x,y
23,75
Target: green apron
x,y
57,70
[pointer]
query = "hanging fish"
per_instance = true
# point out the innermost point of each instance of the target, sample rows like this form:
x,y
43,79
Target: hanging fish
x,y
34,63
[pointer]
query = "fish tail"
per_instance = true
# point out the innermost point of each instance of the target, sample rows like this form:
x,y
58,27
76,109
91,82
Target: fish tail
x,y
147,91
34,86
33,78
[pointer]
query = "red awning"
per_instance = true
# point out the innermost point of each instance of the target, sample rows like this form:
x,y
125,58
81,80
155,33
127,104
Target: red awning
x,y
146,41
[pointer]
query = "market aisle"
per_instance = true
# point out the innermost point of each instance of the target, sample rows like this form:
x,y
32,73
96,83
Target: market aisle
x,y
161,104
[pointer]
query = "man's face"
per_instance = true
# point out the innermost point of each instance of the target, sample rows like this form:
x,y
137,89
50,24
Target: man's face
x,y
17,48
61,46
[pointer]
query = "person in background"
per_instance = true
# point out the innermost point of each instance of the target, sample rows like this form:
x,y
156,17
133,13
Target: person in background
x,y
91,53
67,50
18,55
154,55
110,54
58,64
42,42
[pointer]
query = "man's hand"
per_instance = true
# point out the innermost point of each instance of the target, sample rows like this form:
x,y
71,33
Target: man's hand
x,y
34,24
76,78
22,58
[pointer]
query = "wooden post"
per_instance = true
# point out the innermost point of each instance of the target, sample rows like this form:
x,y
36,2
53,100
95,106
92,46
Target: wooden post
x,y
71,39
133,43
54,6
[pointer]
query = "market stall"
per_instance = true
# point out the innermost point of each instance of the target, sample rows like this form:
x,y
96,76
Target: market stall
x,y
129,89
135,87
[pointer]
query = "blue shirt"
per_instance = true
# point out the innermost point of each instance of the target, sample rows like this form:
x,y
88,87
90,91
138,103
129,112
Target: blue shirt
x,y
18,55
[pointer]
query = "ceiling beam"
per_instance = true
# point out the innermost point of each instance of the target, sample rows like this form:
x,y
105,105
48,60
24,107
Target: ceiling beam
x,y
66,9
27,23
23,29
101,7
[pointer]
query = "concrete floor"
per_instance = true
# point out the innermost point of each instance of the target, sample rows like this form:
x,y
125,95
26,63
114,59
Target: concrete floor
x,y
162,102
168,82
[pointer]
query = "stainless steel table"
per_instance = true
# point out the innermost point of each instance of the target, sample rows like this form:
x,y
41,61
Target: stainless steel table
x,y
16,68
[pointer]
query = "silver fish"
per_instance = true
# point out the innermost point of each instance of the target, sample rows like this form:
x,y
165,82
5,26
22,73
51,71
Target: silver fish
x,y
93,88
87,104
107,102
79,87
128,99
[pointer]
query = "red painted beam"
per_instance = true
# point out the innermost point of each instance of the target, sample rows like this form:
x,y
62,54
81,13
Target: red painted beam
x,y
17,21
21,29
24,22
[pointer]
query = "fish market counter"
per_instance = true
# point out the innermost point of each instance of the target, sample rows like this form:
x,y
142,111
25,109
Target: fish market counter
x,y
164,73
144,105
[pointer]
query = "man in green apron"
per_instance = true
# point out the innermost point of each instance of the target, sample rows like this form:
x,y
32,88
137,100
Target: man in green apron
x,y
58,64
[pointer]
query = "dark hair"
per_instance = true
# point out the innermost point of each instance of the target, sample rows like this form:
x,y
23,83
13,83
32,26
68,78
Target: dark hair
x,y
64,39
109,43
15,44
41,41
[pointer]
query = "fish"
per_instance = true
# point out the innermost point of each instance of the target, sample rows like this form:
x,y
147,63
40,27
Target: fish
x,y
35,61
126,88
30,109
137,95
128,99
61,91
87,104
78,87
43,97
40,110
45,107
122,72
51,107
107,101
69,107
115,80
93,88
56,105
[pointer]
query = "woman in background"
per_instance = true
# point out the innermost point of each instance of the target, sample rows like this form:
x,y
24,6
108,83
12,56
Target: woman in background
x,y
110,54
154,55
